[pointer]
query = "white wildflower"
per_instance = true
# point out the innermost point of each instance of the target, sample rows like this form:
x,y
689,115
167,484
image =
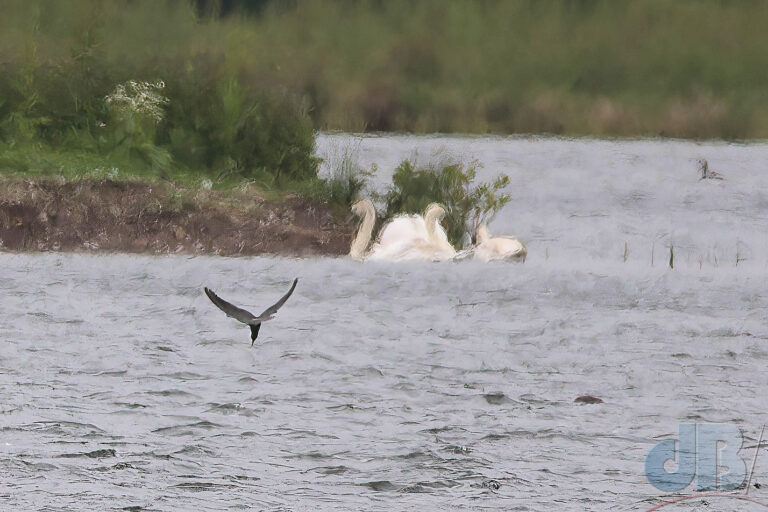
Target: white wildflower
x,y
206,184
139,98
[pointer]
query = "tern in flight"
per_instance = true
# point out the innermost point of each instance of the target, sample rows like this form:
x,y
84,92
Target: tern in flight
x,y
246,317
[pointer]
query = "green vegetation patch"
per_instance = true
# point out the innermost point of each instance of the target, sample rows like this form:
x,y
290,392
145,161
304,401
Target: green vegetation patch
x,y
136,87
451,185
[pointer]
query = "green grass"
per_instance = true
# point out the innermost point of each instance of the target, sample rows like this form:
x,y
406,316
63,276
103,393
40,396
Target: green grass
x,y
683,68
41,164
246,91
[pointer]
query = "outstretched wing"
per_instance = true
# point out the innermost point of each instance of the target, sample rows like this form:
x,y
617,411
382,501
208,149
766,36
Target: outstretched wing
x,y
231,310
271,310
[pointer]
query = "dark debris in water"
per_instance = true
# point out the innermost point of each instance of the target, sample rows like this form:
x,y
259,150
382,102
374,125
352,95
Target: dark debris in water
x,y
587,399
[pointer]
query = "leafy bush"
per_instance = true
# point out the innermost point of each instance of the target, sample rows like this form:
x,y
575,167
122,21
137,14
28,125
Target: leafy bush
x,y
466,206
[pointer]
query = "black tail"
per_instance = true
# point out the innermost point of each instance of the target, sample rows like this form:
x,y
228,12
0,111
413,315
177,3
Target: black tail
x,y
254,332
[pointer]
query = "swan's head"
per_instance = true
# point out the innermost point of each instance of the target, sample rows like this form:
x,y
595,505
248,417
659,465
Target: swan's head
x,y
360,208
434,211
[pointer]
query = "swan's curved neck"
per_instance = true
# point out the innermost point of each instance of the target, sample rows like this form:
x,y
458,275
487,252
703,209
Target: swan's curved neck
x,y
431,218
364,232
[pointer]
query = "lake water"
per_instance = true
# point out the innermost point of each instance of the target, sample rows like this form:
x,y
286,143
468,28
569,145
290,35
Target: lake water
x,y
419,386
586,199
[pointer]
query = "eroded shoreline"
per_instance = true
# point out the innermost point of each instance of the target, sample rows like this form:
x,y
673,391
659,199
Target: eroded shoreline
x,y
152,218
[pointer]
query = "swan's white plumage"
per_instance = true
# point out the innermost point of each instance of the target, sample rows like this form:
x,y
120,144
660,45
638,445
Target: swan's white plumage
x,y
403,228
498,248
406,237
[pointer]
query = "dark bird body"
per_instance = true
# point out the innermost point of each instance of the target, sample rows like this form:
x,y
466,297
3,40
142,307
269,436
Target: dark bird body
x,y
246,317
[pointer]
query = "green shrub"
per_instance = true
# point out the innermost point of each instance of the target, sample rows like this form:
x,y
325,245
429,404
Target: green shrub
x,y
450,185
136,108
228,129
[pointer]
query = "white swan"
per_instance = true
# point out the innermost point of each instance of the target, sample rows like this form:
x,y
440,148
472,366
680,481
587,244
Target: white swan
x,y
407,237
415,238
497,248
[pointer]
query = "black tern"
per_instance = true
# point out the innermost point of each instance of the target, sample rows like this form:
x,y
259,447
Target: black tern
x,y
246,317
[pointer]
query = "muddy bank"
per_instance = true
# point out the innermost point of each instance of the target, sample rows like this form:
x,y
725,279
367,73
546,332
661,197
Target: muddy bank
x,y
46,215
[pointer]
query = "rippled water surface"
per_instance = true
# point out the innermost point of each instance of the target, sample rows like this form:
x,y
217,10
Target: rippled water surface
x,y
411,386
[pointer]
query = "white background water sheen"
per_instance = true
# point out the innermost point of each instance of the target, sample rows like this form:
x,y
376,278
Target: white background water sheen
x,y
405,386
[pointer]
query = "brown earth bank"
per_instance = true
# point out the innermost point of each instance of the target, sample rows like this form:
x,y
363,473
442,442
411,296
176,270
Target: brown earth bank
x,y
159,218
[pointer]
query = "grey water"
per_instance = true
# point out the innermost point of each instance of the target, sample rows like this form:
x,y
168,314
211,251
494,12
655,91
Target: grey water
x,y
418,386
591,198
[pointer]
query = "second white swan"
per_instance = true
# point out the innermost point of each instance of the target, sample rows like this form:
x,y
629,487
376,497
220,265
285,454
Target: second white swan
x,y
408,237
497,248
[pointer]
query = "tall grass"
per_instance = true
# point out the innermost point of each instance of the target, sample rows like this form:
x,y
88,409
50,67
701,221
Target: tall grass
x,y
681,68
